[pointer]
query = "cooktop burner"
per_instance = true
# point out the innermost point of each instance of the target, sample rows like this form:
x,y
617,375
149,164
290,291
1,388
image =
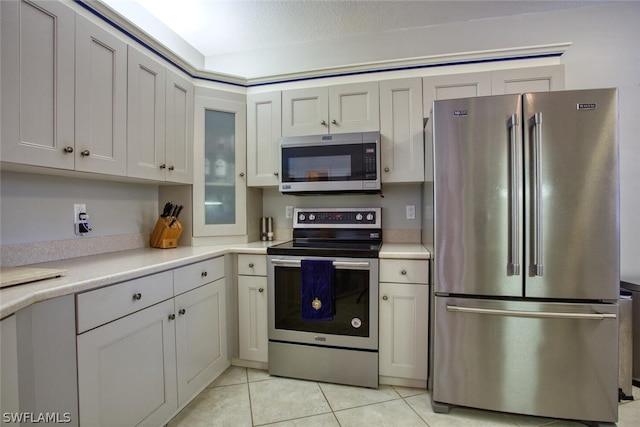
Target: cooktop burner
x,y
333,232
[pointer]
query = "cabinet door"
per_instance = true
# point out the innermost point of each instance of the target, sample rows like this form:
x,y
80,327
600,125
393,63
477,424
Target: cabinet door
x,y
127,370
305,112
264,129
101,100
37,83
404,323
201,342
146,116
452,86
401,130
252,309
179,129
9,396
534,79
219,185
354,108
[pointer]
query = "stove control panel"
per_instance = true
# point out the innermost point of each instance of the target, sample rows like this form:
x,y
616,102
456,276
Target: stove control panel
x,y
337,218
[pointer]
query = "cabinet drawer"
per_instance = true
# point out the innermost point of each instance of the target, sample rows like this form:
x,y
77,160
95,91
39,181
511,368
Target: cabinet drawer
x,y
252,265
103,305
404,271
194,275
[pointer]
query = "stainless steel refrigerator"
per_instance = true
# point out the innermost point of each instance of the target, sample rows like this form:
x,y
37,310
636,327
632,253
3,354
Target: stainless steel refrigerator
x,y
526,261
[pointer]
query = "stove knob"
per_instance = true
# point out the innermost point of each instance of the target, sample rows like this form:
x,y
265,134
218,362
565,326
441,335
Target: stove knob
x,y
312,217
369,217
359,217
301,217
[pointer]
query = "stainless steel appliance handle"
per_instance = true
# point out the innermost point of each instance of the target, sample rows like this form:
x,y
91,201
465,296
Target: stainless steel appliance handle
x,y
337,264
536,268
514,264
535,314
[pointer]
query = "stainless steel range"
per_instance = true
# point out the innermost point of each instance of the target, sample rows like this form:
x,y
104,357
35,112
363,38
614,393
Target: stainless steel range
x,y
323,297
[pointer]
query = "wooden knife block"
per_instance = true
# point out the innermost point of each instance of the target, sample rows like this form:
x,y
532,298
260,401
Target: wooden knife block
x,y
165,236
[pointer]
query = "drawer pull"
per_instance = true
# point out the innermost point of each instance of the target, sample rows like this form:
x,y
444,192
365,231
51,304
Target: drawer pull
x,y
204,274
261,290
250,265
172,316
137,296
182,311
403,272
385,297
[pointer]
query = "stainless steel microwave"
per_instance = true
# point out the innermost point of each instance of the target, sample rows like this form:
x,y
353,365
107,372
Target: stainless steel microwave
x,y
348,162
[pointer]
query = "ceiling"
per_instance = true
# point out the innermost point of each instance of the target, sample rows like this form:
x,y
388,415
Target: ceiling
x,y
216,27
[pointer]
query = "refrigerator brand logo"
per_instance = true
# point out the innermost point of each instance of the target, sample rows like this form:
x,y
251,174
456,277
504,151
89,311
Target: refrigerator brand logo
x,y
587,106
460,113
327,138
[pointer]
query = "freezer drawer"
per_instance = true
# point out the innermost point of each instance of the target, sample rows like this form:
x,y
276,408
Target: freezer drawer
x,y
546,359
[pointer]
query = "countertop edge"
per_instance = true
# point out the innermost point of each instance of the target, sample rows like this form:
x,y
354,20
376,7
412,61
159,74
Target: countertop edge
x,y
136,263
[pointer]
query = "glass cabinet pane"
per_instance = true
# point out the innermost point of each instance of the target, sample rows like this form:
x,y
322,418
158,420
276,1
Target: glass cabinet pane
x,y
219,167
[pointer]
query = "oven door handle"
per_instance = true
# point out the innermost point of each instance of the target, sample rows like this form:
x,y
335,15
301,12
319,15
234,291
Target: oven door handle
x,y
336,264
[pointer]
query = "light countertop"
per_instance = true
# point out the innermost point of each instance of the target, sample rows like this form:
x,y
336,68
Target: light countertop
x,y
95,271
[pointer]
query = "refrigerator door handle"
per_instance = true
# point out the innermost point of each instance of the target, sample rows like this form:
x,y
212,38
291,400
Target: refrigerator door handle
x,y
534,314
536,123
514,264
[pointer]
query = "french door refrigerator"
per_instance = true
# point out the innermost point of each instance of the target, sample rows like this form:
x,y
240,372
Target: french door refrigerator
x,y
527,254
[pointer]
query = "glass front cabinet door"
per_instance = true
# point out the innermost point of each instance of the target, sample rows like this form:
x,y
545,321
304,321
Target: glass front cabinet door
x,y
219,190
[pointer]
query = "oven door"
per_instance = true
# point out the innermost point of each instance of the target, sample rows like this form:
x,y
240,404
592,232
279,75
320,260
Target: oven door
x,y
355,321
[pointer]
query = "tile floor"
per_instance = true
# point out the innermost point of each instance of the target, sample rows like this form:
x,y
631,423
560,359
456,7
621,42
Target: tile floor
x,y
248,397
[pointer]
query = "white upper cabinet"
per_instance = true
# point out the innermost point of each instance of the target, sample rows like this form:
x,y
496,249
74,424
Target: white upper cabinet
x,y
38,83
264,129
219,184
520,80
336,109
451,86
146,117
401,130
101,100
179,129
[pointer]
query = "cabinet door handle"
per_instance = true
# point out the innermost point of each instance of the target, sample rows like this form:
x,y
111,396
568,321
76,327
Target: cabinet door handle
x,y
172,316
386,169
403,272
385,297
276,173
68,149
333,122
85,153
182,311
323,123
203,274
163,166
137,296
171,167
260,290
250,265
241,174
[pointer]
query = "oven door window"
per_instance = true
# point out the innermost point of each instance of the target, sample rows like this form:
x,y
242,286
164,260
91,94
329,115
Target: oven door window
x,y
350,304
324,163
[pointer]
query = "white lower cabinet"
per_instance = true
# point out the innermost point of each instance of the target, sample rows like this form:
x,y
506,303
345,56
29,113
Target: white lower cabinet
x,y
201,344
9,395
140,367
404,322
252,308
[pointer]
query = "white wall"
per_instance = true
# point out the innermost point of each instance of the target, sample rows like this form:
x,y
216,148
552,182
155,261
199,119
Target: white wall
x,y
39,208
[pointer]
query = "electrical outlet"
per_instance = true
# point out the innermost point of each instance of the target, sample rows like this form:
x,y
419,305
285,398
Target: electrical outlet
x,y
288,212
80,219
411,211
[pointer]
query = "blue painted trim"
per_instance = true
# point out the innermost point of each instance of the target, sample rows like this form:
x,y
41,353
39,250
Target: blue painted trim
x,y
301,79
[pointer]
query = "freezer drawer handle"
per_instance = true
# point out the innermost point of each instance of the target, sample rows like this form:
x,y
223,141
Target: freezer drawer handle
x,y
514,265
536,123
536,314
337,264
